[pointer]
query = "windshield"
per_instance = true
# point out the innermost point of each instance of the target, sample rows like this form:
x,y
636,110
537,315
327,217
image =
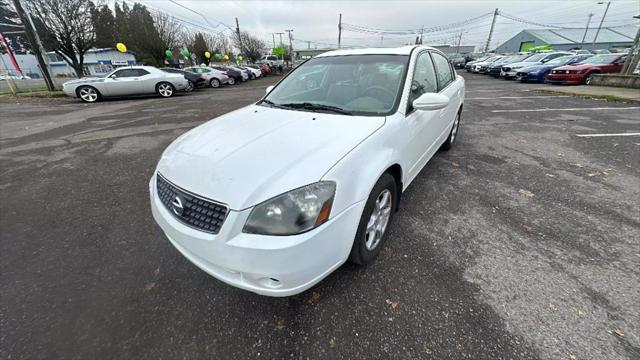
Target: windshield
x,y
535,58
563,60
601,59
518,58
354,84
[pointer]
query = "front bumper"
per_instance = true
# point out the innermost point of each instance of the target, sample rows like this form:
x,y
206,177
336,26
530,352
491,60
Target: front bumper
x,y
529,77
266,265
567,79
508,74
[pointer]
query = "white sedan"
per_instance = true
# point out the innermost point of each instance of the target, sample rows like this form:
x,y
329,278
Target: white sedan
x,y
214,77
275,196
126,81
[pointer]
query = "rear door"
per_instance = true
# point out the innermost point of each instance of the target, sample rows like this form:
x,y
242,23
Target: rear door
x,y
450,87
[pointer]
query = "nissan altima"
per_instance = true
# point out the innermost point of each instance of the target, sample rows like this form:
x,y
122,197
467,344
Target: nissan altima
x,y
273,197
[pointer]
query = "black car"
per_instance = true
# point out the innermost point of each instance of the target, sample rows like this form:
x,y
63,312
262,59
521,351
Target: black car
x,y
232,73
195,80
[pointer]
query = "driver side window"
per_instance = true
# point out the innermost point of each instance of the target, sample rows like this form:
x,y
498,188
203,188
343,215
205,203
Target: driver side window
x,y
424,79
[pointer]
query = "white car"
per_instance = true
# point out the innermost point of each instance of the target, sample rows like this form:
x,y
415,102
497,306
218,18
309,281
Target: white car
x,y
130,80
271,60
275,196
214,77
256,72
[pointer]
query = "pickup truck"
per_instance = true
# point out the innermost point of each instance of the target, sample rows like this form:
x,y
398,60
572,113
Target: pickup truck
x,y
271,60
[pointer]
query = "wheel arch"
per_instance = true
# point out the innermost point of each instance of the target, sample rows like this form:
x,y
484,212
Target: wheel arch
x,y
395,170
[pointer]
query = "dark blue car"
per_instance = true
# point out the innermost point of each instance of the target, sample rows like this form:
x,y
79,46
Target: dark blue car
x,y
537,73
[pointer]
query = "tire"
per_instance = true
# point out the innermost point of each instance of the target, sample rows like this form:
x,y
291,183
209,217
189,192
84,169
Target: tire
x,y
214,83
165,89
587,79
88,94
231,81
190,86
375,220
453,134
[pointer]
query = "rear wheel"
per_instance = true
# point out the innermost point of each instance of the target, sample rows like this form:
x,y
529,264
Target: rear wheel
x,y
215,83
375,219
165,89
453,134
190,86
88,94
231,81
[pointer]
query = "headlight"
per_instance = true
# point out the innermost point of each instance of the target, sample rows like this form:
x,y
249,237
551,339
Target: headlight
x,y
293,212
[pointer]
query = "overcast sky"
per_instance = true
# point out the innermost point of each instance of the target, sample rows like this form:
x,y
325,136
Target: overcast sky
x,y
317,21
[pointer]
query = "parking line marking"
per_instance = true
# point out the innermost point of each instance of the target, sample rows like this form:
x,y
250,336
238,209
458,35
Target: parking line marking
x,y
519,97
569,109
603,135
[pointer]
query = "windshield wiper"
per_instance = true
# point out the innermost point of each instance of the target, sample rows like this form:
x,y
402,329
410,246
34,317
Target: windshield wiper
x,y
321,107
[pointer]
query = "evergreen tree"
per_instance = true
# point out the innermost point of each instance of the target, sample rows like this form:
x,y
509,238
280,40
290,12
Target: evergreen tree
x,y
199,47
104,24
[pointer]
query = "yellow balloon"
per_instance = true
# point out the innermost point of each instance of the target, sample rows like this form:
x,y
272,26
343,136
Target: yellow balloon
x,y
121,47
226,57
207,54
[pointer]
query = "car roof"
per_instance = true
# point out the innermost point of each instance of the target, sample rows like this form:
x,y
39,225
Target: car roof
x,y
403,50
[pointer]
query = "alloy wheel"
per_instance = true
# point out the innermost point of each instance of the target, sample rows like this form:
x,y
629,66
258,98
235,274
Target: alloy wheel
x,y
232,81
378,220
454,130
215,83
165,90
189,87
88,94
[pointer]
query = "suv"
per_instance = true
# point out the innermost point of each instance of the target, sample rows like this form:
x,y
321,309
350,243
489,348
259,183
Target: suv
x,y
271,60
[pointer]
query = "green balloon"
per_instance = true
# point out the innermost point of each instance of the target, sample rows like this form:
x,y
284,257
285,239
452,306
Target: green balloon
x,y
169,53
185,53
218,56
239,57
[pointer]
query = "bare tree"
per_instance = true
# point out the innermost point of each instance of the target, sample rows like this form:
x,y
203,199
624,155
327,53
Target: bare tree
x,y
66,27
169,29
218,43
250,46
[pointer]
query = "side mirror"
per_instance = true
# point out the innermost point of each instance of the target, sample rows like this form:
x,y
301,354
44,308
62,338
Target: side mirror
x,y
269,88
431,101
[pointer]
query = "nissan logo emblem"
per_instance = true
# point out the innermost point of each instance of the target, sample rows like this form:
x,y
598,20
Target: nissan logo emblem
x,y
176,206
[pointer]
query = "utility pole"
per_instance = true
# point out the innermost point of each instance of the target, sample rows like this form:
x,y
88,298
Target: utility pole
x,y
308,44
493,24
634,54
290,45
239,37
34,40
280,34
273,36
421,32
459,41
586,29
600,26
339,31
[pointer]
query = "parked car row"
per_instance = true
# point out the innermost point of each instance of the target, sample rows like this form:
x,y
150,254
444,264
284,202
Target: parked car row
x,y
146,80
550,67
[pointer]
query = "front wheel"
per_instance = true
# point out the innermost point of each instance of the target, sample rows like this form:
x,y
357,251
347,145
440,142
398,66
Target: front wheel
x,y
165,89
231,81
453,134
215,83
588,79
190,86
375,219
88,94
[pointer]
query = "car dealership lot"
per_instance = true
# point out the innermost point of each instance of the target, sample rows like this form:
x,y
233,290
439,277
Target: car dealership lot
x,y
520,242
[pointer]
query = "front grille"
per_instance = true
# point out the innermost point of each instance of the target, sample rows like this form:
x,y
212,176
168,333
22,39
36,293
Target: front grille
x,y
506,69
192,210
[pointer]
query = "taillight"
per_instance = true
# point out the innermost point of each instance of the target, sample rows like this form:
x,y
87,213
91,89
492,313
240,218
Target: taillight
x,y
226,73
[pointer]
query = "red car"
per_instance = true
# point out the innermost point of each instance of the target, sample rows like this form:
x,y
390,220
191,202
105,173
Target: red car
x,y
580,73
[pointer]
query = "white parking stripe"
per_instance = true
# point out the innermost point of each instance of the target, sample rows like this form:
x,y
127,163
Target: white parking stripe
x,y
569,109
518,97
603,135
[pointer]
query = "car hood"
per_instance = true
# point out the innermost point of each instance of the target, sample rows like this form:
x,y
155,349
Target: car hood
x,y
84,80
255,153
522,64
535,68
576,67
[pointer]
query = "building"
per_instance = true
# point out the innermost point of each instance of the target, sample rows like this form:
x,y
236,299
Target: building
x,y
568,39
304,54
452,49
27,62
96,62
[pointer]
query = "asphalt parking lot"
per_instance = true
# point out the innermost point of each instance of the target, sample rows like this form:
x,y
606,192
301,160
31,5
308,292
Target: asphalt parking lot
x,y
519,243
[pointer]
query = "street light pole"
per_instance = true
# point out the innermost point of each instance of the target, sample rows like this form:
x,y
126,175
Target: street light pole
x,y
585,30
600,26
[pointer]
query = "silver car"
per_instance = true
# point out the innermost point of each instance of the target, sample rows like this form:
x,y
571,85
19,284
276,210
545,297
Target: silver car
x,y
214,77
130,80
